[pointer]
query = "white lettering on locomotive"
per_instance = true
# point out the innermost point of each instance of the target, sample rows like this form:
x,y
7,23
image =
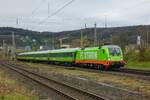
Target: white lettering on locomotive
x,y
88,55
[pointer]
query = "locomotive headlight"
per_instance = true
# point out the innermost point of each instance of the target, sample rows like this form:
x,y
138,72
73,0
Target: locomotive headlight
x,y
121,58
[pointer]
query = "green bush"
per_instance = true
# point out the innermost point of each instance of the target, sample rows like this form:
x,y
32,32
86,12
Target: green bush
x,y
141,55
147,55
131,56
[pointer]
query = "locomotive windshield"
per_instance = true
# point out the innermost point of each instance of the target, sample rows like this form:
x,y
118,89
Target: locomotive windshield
x,y
113,51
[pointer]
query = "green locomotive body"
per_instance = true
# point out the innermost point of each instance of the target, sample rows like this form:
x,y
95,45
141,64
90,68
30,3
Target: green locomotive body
x,y
104,56
107,56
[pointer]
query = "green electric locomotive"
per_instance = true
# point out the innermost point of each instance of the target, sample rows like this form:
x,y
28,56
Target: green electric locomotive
x,y
107,56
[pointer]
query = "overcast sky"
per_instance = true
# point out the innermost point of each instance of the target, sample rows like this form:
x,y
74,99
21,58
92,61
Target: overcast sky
x,y
31,13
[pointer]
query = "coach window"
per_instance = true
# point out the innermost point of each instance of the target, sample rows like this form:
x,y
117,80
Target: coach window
x,y
52,55
69,54
60,54
64,54
56,55
72,54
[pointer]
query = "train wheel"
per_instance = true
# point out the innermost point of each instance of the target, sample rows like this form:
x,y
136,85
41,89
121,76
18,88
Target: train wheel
x,y
107,68
100,67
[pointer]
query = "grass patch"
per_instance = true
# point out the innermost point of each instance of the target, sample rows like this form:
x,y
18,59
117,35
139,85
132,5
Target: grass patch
x,y
15,96
138,65
11,90
138,59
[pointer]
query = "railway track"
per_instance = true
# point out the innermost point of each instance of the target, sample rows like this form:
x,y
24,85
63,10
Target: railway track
x,y
69,92
133,71
142,74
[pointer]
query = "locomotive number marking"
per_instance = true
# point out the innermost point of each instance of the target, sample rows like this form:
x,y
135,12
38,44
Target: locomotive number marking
x,y
88,55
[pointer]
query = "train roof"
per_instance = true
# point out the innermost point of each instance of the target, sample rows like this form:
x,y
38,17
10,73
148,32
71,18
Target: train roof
x,y
34,52
115,46
65,50
51,51
104,46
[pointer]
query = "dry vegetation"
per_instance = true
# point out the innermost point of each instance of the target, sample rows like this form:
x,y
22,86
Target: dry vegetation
x,y
11,90
130,83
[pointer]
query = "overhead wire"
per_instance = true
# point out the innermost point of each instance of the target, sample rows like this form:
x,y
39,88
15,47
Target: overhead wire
x,y
37,8
57,11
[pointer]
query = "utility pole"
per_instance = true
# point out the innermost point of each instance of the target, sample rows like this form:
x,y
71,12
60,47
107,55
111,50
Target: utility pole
x,y
147,36
48,8
95,35
105,21
17,22
13,46
111,39
3,43
85,26
81,39
105,27
4,49
61,40
52,41
85,34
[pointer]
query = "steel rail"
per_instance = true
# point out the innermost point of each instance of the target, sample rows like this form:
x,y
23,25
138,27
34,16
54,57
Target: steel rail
x,y
142,74
39,82
133,71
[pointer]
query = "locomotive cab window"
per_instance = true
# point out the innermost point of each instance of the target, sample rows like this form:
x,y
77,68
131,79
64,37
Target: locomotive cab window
x,y
114,51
